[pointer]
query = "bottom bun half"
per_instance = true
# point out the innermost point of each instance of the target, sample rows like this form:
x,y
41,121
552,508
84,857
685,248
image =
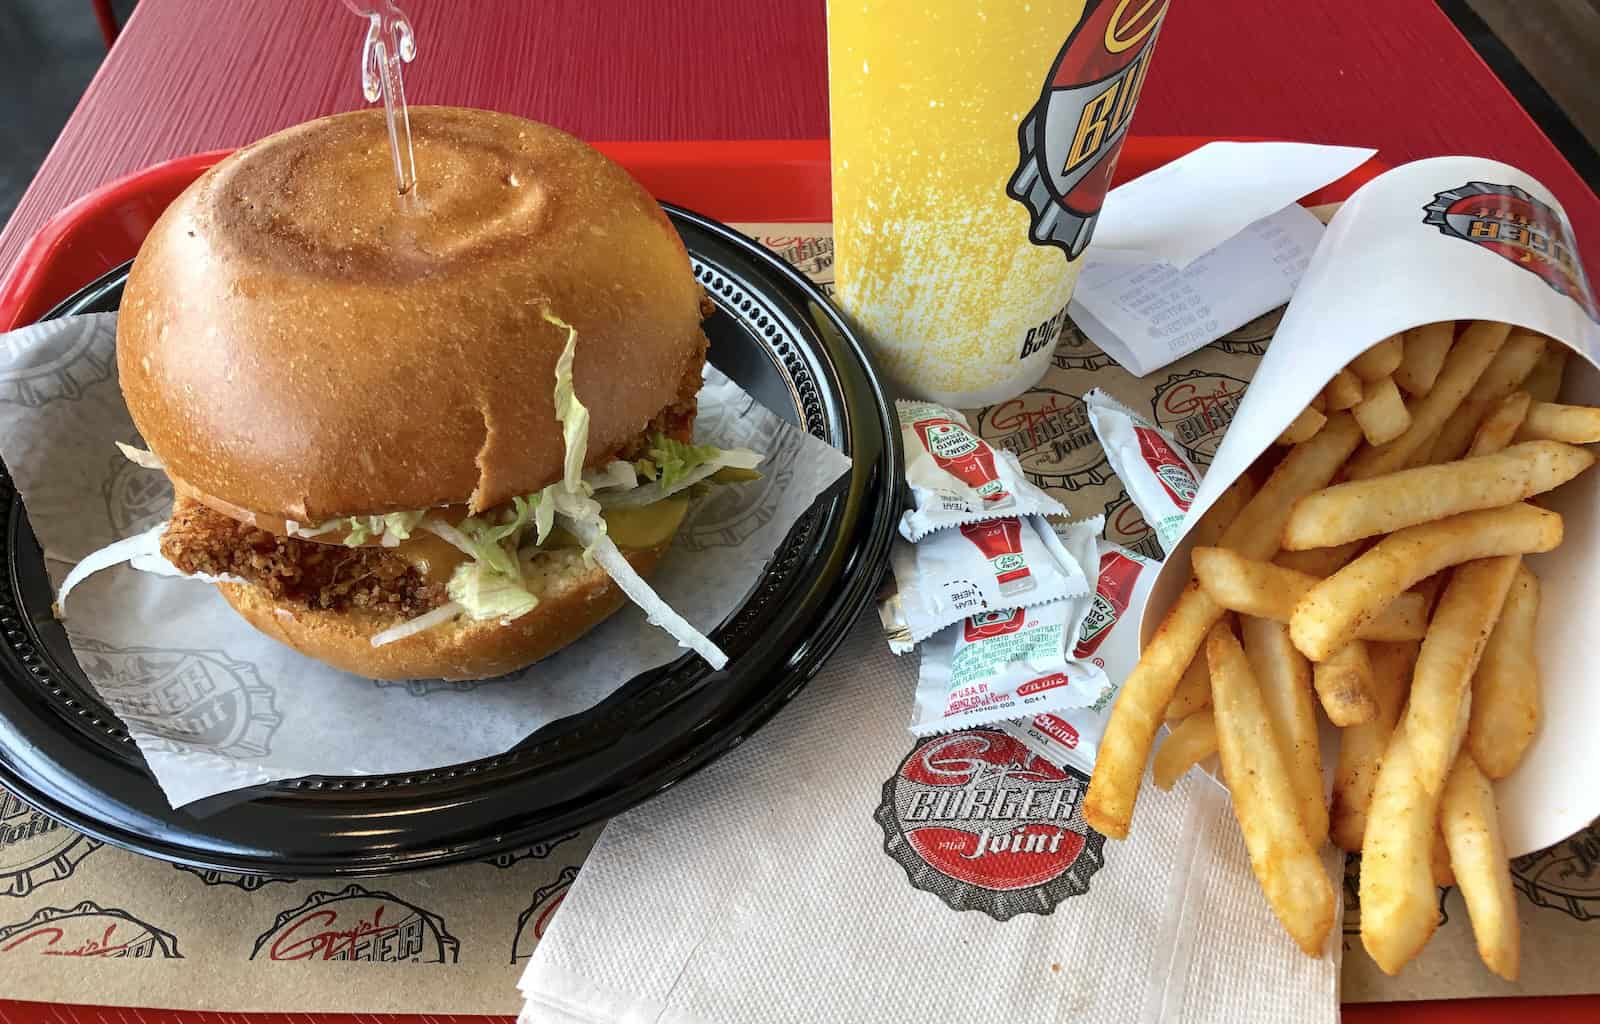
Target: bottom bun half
x,y
573,599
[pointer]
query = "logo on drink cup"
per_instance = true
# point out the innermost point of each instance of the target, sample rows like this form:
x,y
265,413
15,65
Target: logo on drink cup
x,y
1071,137
1114,588
1196,408
984,823
1000,540
1515,226
963,455
1175,477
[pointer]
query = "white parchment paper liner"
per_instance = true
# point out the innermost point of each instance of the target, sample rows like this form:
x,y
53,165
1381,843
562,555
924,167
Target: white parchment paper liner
x,y
216,706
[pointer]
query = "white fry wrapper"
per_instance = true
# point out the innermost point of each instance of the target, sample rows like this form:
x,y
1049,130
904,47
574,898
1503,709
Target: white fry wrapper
x,y
1160,481
170,657
1454,238
957,477
1011,562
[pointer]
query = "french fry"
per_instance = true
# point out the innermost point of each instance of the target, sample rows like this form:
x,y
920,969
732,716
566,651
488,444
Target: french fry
x,y
1574,424
1399,903
1504,374
1224,510
1307,467
1471,826
1361,746
1499,427
1439,862
1380,360
1304,427
1344,391
1191,741
1544,383
1382,413
1334,612
1284,677
1270,591
1383,504
1140,708
1425,350
1505,690
1437,714
1193,692
1345,686
1320,562
1283,858
1467,360
1137,713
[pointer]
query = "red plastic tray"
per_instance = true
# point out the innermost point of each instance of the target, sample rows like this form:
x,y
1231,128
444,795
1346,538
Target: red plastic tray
x,y
731,181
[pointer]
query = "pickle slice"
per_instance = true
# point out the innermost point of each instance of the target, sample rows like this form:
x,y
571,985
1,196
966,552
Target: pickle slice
x,y
633,528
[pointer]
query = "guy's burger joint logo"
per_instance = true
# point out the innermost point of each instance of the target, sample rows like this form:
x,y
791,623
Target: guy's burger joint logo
x,y
1514,225
984,823
1071,137
355,925
87,930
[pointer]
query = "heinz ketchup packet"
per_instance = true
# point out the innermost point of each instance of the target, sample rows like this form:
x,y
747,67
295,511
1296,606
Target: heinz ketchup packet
x,y
1012,562
1107,640
956,477
1002,664
1160,481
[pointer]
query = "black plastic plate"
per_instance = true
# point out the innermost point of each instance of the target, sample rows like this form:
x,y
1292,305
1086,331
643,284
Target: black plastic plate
x,y
777,336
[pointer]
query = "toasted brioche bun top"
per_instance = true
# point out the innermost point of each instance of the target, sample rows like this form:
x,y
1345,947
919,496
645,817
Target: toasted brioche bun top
x,y
296,340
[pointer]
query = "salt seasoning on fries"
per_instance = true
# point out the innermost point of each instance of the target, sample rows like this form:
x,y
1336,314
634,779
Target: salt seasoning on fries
x,y
1361,746
1463,366
1399,903
1425,349
1333,612
1265,801
1384,504
1574,424
1505,691
1500,426
1478,860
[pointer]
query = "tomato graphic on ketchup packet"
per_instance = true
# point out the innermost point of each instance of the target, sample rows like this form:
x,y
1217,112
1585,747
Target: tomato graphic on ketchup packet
x,y
1161,482
958,478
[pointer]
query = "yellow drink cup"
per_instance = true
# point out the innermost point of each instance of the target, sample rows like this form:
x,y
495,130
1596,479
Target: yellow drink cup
x,y
973,141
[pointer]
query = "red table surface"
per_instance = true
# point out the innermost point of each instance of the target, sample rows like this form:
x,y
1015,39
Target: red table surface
x,y
188,76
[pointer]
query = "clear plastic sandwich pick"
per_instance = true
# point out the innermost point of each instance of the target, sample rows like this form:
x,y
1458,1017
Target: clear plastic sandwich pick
x,y
389,43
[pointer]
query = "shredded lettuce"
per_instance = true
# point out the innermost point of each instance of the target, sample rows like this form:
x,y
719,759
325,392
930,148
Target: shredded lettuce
x,y
645,468
485,593
604,551
676,459
571,413
617,475
398,526
692,464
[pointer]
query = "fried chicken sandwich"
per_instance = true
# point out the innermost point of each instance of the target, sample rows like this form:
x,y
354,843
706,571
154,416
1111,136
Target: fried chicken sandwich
x,y
440,435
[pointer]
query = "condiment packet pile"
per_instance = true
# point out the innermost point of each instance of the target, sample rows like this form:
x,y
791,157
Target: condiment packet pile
x,y
1010,607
